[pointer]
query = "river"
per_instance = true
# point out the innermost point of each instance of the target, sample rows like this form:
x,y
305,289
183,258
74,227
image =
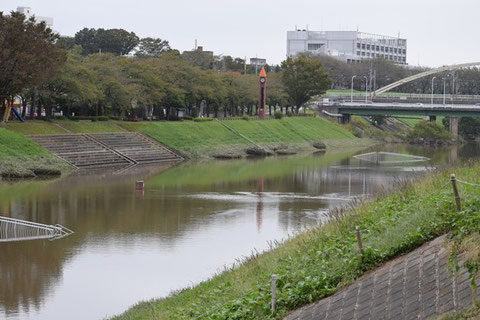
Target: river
x,y
190,221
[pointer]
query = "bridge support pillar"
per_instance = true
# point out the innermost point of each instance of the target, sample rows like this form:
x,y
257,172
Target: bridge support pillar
x,y
453,124
345,118
432,118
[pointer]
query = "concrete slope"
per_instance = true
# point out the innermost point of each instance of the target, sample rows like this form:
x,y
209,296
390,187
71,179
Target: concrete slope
x,y
415,286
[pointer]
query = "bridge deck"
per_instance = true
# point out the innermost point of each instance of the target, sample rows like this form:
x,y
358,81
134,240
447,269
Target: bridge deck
x,y
417,109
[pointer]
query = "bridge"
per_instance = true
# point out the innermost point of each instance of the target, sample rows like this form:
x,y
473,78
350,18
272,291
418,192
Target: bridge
x,y
395,105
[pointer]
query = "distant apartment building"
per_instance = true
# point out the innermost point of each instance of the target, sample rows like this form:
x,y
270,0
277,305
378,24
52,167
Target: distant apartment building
x,y
349,46
27,12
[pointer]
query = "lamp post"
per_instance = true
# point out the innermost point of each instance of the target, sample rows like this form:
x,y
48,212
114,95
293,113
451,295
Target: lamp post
x,y
432,89
366,89
351,94
444,79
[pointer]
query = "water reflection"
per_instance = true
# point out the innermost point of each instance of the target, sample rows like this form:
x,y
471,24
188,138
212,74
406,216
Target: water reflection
x,y
190,221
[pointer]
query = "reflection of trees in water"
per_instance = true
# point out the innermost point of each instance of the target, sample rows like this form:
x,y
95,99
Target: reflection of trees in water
x,y
28,270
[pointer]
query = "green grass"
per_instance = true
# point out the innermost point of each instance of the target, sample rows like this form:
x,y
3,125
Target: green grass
x,y
411,121
198,139
89,127
317,263
19,156
34,127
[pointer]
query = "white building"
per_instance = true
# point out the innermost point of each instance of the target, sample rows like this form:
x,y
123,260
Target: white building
x,y
349,46
27,12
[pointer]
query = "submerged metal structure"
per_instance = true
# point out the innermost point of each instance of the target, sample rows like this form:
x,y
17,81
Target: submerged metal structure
x,y
20,230
389,158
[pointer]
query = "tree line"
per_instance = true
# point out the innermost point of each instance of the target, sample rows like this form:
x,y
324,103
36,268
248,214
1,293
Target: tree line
x,y
90,74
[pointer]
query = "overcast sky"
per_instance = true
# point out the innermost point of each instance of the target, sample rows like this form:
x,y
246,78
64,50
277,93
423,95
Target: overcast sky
x,y
438,32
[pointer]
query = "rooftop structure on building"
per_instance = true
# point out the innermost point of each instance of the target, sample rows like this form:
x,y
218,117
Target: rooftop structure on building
x,y
348,46
199,50
258,61
27,12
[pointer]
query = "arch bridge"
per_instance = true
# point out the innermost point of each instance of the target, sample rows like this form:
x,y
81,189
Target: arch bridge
x,y
424,74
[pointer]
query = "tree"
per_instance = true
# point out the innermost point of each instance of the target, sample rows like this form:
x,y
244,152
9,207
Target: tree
x,y
152,48
116,41
303,78
28,54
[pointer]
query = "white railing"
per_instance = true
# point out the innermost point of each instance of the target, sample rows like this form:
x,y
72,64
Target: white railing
x,y
19,230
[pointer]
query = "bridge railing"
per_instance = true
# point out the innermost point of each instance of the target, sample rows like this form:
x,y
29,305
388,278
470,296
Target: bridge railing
x,y
407,95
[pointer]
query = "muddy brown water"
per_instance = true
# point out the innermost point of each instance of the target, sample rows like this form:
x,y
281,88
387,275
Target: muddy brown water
x,y
190,221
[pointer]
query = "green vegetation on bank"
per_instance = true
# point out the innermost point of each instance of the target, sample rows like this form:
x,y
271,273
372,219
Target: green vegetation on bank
x,y
319,262
200,139
20,157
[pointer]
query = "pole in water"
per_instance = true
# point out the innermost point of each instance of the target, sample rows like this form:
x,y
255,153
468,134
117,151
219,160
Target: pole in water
x,y
359,240
453,179
274,292
139,185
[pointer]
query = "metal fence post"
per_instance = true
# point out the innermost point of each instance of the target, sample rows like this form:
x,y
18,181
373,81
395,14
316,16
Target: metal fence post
x,y
274,292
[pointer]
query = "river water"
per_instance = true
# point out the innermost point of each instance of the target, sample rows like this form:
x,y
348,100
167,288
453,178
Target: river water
x,y
190,221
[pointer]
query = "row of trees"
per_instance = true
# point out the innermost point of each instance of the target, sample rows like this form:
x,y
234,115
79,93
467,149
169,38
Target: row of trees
x,y
36,67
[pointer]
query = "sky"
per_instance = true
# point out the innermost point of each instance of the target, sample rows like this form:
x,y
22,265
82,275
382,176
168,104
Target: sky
x,y
438,32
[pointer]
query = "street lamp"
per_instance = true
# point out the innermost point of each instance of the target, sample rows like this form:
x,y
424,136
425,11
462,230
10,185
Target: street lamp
x,y
351,94
432,88
444,79
366,89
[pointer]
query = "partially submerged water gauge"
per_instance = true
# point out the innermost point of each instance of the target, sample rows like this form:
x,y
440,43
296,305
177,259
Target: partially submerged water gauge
x,y
389,158
20,230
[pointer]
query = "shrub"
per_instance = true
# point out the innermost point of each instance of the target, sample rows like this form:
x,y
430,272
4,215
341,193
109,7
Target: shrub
x,y
116,117
278,115
246,118
76,118
173,117
429,130
187,117
60,118
202,119
289,113
102,118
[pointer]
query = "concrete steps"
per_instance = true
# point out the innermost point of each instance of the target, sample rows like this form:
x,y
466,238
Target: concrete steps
x,y
106,149
137,147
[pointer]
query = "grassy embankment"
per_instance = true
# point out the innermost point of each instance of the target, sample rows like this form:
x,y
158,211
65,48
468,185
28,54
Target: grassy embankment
x,y
232,137
20,157
193,139
319,262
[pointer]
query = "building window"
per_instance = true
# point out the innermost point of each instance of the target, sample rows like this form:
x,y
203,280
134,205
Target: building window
x,y
391,49
358,45
363,53
390,57
382,48
404,51
358,53
368,47
395,50
377,48
314,46
404,59
363,46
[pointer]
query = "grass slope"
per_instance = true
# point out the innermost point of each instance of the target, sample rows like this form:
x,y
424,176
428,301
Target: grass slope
x,y
89,127
20,156
317,263
198,139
